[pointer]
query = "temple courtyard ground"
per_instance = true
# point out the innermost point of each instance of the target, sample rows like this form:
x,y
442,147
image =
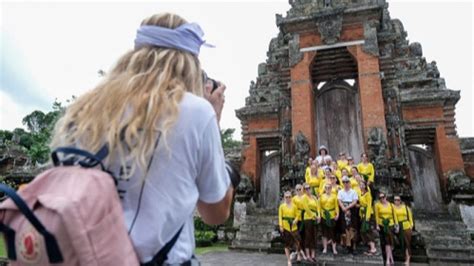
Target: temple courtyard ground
x,y
237,258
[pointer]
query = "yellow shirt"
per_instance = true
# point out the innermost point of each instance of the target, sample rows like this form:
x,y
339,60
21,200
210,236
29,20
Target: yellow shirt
x,y
307,173
365,202
384,212
311,208
403,214
367,169
286,213
349,169
314,182
338,174
329,203
342,164
299,203
354,183
333,191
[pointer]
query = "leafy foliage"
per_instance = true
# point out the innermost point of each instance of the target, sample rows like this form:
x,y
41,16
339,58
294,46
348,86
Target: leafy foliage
x,y
40,127
201,226
204,238
227,141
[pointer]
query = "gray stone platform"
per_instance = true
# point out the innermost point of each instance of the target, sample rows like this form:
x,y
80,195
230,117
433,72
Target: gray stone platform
x,y
240,258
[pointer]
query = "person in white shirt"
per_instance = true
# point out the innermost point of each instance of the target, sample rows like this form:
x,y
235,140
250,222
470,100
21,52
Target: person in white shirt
x,y
323,156
160,123
348,198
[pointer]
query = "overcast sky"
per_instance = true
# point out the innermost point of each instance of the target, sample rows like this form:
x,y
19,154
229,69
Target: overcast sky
x,y
53,50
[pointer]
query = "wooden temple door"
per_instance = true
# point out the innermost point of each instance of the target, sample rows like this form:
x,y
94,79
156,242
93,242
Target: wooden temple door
x,y
270,180
424,180
338,119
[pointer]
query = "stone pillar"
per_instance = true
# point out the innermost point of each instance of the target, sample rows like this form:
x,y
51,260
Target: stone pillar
x,y
250,163
370,91
302,100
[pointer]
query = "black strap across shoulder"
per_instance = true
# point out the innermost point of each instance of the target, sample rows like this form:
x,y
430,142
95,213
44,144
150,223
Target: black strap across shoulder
x,y
162,255
91,160
52,247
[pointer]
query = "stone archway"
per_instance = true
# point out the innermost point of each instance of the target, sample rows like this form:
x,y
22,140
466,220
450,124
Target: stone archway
x,y
338,120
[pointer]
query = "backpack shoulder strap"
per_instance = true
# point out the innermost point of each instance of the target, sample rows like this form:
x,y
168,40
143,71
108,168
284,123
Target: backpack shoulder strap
x,y
52,247
162,255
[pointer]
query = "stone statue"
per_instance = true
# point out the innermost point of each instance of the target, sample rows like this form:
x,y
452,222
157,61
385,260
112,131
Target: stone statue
x,y
302,144
377,145
301,154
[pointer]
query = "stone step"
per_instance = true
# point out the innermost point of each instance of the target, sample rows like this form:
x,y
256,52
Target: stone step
x,y
451,235
466,249
458,261
451,254
251,246
442,241
439,225
250,237
258,227
264,212
251,219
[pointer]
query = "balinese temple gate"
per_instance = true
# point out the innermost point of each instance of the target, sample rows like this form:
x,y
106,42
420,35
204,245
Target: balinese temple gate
x,y
343,74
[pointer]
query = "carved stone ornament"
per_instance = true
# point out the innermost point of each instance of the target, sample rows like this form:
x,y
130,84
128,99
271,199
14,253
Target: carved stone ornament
x,y
302,144
330,28
294,50
371,44
377,145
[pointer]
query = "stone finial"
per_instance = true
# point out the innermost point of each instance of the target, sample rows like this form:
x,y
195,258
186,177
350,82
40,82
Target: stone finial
x,y
416,50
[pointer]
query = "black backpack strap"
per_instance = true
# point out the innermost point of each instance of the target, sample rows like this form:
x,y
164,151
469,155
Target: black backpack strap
x,y
162,255
91,160
9,235
52,247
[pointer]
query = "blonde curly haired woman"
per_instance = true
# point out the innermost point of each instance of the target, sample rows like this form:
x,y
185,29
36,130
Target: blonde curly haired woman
x,y
162,135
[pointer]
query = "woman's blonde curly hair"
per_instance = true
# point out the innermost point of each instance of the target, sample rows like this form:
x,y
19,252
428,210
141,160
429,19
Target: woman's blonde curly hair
x,y
136,100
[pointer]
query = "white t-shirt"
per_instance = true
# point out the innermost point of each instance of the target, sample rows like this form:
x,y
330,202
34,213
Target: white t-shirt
x,y
322,159
347,196
192,169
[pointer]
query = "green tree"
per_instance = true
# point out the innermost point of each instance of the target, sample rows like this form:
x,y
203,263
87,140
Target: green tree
x,y
5,135
40,126
35,122
227,141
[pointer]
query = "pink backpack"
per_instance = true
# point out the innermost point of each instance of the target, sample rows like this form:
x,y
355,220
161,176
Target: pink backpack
x,y
68,215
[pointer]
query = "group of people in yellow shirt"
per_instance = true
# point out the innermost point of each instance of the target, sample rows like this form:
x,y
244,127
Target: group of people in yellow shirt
x,y
336,203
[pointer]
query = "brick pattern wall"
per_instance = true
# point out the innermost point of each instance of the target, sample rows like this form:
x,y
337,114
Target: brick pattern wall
x,y
302,100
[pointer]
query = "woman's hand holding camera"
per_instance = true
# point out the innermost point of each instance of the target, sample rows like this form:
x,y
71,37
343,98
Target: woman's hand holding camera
x,y
215,97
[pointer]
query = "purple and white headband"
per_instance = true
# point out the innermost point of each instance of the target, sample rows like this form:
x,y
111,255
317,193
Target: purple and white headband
x,y
187,37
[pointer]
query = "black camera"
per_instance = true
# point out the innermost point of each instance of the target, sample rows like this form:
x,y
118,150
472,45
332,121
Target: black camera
x,y
206,79
215,85
234,174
